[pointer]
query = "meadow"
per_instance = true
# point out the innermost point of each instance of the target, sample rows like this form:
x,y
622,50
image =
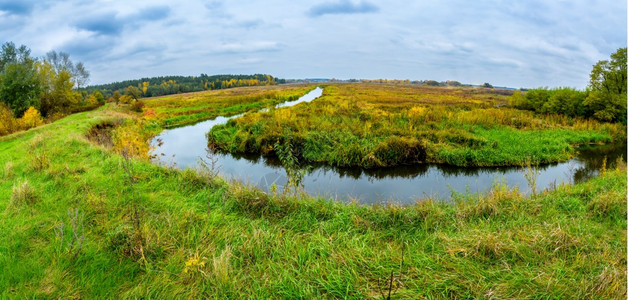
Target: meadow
x,y
86,215
383,125
81,221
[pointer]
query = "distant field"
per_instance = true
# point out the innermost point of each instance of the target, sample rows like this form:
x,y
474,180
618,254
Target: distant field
x,y
379,125
183,109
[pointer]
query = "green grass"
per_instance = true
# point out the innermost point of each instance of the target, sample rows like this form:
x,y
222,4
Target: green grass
x,y
374,125
568,243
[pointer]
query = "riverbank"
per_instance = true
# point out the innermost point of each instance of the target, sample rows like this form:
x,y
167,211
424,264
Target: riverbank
x,y
76,224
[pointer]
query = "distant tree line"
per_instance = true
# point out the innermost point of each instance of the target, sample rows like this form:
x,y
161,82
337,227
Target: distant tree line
x,y
604,99
167,85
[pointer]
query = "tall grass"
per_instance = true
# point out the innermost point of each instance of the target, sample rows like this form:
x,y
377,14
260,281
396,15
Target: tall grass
x,y
567,243
372,125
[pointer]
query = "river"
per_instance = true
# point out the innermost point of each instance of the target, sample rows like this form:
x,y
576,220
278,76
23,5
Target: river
x,y
183,146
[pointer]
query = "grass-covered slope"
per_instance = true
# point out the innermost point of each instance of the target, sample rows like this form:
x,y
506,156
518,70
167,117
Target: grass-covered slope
x,y
376,125
67,209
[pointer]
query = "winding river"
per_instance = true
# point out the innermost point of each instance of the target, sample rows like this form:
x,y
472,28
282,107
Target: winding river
x,y
183,146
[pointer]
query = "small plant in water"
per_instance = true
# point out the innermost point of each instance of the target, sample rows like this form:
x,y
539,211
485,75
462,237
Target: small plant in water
x,y
531,174
290,163
208,169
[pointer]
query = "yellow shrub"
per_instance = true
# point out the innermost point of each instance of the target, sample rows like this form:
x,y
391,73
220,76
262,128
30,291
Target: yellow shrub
x,y
132,140
8,124
31,118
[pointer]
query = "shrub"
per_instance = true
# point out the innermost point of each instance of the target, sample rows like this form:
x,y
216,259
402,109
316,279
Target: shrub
x,y
137,106
133,139
31,118
397,150
8,123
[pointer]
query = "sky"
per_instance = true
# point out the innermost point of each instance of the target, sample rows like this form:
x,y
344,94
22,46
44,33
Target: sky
x,y
506,43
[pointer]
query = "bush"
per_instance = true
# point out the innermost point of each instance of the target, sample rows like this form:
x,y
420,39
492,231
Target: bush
x,y
31,118
8,124
397,150
137,106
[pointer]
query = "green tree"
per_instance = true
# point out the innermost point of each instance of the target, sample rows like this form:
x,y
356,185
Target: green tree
x,y
57,92
607,98
19,82
99,97
133,92
116,96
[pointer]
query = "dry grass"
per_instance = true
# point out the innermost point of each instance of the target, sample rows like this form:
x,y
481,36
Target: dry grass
x,y
23,194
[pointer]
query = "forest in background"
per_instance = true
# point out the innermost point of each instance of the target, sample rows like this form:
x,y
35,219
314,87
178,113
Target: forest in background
x,y
168,85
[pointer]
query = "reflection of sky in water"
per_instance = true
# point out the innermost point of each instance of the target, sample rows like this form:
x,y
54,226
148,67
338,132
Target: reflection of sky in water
x,y
402,184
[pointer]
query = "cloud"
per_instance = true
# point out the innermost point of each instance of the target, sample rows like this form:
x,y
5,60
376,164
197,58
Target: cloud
x,y
342,7
105,24
113,24
17,7
247,47
154,13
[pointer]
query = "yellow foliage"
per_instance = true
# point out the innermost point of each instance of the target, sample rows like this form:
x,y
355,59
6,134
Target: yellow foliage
x,y
31,118
417,112
132,140
194,263
8,124
92,100
126,99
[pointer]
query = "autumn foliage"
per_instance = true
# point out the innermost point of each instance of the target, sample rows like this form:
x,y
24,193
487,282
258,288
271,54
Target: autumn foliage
x,y
9,124
32,118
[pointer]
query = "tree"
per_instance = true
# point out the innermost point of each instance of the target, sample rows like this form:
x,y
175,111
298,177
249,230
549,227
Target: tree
x,y
81,75
116,96
99,97
607,98
145,85
133,92
610,76
57,92
19,83
487,85
61,61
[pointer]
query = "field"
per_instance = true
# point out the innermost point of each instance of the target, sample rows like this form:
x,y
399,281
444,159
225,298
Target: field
x,y
381,125
79,220
185,109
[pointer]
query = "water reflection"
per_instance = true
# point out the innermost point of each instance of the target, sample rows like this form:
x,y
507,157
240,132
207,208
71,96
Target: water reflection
x,y
183,147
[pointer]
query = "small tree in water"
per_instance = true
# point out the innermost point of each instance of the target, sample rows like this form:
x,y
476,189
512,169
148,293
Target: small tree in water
x,y
295,174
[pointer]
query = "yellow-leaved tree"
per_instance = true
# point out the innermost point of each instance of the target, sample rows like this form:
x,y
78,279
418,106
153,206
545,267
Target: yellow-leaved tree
x,y
32,118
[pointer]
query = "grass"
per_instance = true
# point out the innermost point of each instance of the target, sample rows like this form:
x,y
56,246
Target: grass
x,y
567,243
379,125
